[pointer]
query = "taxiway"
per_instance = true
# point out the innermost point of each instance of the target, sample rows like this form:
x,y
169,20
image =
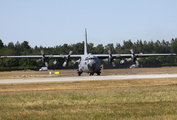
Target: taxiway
x,y
87,78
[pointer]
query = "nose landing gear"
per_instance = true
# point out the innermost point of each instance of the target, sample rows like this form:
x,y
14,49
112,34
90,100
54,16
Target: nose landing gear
x,y
79,73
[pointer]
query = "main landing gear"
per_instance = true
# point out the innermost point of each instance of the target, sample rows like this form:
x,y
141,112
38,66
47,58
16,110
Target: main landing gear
x,y
98,73
91,74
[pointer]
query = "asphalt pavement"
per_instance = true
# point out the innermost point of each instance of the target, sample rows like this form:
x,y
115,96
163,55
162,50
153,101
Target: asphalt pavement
x,y
87,78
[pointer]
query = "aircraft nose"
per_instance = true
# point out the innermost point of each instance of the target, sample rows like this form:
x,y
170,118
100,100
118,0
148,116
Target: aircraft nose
x,y
91,66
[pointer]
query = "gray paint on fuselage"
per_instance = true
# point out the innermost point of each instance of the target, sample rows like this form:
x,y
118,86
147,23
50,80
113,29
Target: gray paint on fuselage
x,y
89,60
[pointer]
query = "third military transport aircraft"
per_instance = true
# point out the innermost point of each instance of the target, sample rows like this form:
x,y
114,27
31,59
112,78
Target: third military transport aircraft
x,y
88,62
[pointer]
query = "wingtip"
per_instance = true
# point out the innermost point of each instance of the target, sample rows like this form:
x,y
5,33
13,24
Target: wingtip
x,y
2,56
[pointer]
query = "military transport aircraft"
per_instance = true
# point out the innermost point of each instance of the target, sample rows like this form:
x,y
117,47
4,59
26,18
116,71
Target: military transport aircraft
x,y
88,62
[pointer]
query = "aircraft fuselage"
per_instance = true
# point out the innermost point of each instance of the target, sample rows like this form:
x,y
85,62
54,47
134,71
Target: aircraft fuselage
x,y
90,64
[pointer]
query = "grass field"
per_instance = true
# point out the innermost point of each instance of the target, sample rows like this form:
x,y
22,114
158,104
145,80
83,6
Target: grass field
x,y
113,99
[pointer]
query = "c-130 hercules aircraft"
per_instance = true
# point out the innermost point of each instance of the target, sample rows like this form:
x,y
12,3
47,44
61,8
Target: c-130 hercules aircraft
x,y
88,62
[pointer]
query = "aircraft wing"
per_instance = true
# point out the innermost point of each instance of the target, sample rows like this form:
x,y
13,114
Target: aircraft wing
x,y
153,55
24,56
103,56
73,57
46,56
100,56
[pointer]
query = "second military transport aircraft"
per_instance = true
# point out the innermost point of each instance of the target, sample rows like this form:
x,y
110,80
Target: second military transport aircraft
x,y
88,62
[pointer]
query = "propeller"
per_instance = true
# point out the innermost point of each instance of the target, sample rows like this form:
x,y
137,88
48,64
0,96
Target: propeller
x,y
43,59
133,57
67,59
110,59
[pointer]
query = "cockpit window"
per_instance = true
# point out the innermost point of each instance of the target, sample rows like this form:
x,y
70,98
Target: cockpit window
x,y
92,58
86,58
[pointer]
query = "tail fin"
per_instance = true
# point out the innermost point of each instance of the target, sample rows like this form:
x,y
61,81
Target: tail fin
x,y
85,44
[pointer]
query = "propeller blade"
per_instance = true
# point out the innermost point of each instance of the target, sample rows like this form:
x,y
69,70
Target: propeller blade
x,y
38,60
128,59
137,63
42,52
70,52
131,50
78,61
133,57
46,64
74,62
109,51
64,64
67,59
110,59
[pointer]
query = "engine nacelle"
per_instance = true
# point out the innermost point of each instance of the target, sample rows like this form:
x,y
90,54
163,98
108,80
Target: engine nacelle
x,y
122,62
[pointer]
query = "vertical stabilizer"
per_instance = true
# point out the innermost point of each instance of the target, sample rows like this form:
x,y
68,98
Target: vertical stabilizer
x,y
85,44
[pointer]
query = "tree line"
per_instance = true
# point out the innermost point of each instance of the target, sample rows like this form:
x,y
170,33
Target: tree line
x,y
139,47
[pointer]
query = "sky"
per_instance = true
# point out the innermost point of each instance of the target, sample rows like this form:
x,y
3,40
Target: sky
x,y
56,22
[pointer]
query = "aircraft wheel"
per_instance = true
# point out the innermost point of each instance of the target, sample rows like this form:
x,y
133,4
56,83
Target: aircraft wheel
x,y
91,74
79,73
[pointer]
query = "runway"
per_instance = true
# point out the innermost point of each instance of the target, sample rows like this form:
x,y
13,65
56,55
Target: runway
x,y
87,78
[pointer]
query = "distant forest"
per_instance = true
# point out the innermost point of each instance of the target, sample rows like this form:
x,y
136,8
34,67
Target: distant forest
x,y
78,48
